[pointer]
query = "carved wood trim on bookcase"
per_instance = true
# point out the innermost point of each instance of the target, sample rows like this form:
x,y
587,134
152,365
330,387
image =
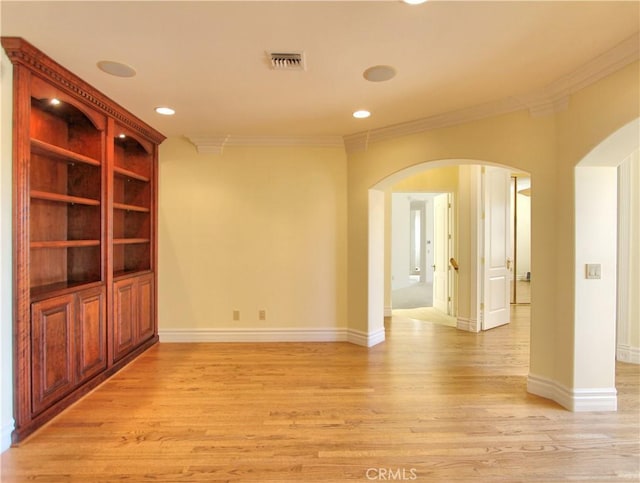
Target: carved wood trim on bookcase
x,y
22,52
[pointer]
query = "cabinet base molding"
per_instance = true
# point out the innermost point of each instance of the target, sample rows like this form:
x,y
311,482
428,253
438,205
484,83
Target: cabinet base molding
x,y
271,335
577,400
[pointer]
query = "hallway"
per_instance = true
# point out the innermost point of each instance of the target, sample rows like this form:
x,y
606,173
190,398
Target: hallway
x,y
418,294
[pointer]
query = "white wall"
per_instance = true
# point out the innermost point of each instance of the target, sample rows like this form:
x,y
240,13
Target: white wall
x,y
595,307
250,229
628,324
400,233
6,377
634,260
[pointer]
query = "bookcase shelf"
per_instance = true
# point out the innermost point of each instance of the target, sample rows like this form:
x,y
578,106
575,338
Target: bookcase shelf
x,y
122,206
65,244
43,292
55,152
44,195
130,241
125,173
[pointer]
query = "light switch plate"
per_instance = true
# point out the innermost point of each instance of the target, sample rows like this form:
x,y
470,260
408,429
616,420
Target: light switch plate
x,y
593,271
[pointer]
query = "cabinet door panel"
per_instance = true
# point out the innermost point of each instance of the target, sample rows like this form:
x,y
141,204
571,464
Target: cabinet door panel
x,y
51,350
124,317
146,326
91,333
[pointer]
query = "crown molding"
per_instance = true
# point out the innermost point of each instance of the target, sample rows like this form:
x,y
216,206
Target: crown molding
x,y
555,96
360,141
550,99
215,144
208,144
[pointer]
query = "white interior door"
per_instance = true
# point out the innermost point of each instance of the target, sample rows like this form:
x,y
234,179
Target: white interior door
x,y
441,253
496,310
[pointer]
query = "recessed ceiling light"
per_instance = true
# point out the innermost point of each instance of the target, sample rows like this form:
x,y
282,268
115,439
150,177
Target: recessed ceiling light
x,y
165,111
379,73
414,2
362,114
116,68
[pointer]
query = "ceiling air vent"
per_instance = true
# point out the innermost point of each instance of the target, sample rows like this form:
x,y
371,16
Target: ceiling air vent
x,y
287,60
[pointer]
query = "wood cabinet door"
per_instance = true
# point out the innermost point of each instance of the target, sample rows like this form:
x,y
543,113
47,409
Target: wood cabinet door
x,y
52,350
91,333
124,317
146,319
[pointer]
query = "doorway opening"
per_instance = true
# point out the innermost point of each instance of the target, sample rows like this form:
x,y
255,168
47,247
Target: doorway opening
x,y
421,242
521,238
454,259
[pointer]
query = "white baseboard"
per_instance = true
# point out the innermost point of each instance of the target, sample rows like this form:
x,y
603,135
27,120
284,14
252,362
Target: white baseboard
x,y
470,325
577,400
625,353
388,311
272,335
366,339
5,435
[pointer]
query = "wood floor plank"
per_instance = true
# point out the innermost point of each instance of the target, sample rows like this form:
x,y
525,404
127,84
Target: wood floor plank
x,y
430,404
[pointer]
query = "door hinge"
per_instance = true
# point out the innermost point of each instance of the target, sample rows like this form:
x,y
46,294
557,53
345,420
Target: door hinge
x,y
482,260
481,306
448,299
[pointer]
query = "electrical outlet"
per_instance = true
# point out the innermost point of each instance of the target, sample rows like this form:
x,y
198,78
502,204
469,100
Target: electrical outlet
x,y
262,314
236,315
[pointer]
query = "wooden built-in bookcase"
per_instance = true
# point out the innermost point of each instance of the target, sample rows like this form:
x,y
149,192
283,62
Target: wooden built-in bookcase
x,y
84,236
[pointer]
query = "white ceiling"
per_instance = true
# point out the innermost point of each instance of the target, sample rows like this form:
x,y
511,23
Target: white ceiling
x,y
207,60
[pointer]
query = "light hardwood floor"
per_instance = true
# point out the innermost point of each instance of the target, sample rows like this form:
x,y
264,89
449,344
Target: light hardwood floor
x,y
431,404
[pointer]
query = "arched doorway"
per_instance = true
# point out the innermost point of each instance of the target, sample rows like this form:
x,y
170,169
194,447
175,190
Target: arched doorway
x,y
470,310
422,262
